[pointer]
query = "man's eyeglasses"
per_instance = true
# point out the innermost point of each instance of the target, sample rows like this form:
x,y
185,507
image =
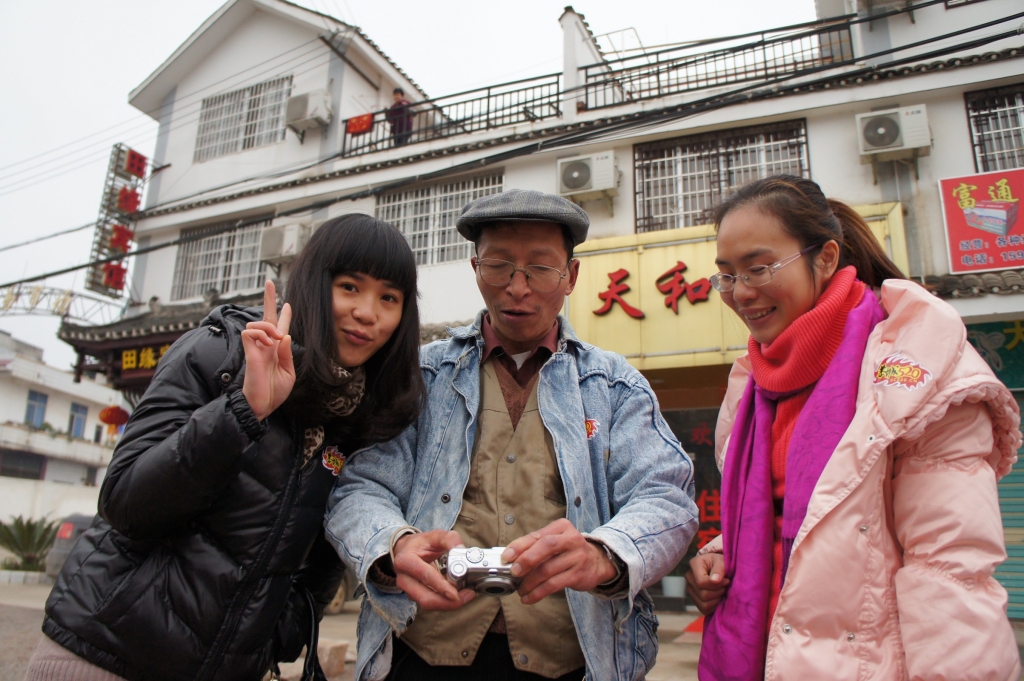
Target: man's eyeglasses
x,y
540,278
758,275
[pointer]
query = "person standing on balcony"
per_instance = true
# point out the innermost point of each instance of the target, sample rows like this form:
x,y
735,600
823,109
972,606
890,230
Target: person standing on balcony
x,y
400,116
210,560
860,442
530,440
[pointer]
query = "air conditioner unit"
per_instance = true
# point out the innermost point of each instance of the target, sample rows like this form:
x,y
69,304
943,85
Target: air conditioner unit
x,y
588,177
894,133
309,110
282,244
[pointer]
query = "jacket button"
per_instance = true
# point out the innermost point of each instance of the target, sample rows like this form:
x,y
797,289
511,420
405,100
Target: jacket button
x,y
523,659
851,636
225,377
871,438
509,518
786,629
465,653
445,498
511,458
577,502
863,529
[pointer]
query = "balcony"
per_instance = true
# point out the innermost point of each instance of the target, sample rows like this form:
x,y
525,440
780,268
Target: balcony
x,y
788,51
733,60
521,101
20,437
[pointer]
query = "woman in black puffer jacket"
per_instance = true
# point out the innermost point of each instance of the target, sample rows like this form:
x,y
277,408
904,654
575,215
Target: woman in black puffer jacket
x,y
210,561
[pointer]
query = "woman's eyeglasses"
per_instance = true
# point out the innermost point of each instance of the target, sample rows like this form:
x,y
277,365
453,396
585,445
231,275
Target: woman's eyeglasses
x,y
758,275
540,278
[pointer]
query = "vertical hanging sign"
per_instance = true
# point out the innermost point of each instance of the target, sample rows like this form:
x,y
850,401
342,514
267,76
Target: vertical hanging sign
x,y
122,195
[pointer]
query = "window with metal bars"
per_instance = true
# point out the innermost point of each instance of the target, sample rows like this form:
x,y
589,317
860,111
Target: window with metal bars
x,y
679,181
997,127
426,215
244,119
224,262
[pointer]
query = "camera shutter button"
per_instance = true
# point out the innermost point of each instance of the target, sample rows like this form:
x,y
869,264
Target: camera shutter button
x,y
475,555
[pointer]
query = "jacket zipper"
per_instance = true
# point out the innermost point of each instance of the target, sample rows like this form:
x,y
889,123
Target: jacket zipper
x,y
248,585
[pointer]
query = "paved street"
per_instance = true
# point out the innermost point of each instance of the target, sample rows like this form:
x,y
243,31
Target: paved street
x,y
21,613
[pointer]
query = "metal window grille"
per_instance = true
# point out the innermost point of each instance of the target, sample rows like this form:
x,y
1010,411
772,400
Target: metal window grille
x,y
997,127
679,181
427,215
76,421
244,119
224,262
35,412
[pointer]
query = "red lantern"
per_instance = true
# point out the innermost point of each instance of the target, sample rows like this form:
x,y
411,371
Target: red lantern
x,y
114,416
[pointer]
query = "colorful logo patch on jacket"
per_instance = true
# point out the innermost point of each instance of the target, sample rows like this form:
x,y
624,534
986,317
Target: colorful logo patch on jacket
x,y
592,426
897,370
334,460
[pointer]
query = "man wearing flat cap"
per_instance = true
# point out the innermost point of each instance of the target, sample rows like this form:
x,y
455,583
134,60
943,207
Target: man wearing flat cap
x,y
532,440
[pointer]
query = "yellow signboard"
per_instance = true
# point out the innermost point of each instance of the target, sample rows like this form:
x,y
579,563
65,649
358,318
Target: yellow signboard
x,y
646,296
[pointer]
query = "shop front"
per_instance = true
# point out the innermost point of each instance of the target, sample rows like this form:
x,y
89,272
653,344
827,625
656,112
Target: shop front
x,y
1001,344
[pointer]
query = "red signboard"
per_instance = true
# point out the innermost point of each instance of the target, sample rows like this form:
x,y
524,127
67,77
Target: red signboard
x,y
983,229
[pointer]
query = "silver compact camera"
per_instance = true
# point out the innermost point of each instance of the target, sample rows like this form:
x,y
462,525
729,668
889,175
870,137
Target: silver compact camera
x,y
481,570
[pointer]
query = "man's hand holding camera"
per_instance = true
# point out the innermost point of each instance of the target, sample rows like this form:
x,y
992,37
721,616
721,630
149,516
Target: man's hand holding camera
x,y
557,557
419,578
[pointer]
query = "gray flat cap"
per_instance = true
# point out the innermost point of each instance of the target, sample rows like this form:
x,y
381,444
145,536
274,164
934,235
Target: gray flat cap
x,y
523,205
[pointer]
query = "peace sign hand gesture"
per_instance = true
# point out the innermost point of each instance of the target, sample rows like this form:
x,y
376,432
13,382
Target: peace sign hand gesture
x,y
269,370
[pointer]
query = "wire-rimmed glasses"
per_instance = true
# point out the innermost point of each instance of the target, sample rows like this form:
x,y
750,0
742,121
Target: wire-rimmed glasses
x,y
758,275
540,278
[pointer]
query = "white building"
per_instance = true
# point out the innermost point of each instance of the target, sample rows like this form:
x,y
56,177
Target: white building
x,y
662,136
53,449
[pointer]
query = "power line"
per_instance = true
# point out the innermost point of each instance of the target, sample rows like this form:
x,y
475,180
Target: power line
x,y
92,157
180,101
763,90
48,236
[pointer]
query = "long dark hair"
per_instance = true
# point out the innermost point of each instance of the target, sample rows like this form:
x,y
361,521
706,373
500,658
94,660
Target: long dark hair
x,y
813,220
394,384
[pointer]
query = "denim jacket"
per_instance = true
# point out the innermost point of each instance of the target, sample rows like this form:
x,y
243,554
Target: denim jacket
x,y
629,485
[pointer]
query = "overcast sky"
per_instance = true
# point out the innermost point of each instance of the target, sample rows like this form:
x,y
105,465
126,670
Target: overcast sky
x,y
68,68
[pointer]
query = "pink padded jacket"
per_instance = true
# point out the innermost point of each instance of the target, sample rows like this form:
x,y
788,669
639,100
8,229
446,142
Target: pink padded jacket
x,y
891,572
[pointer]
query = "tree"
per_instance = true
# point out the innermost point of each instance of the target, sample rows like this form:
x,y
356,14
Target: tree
x,y
29,540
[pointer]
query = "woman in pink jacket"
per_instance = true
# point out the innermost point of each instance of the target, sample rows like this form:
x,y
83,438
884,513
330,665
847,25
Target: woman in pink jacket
x,y
860,442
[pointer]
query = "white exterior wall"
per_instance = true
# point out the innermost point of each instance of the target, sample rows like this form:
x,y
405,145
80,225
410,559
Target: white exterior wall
x,y
38,499
243,48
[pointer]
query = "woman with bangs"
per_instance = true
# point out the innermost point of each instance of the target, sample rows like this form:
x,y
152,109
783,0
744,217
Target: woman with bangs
x,y
860,441
209,560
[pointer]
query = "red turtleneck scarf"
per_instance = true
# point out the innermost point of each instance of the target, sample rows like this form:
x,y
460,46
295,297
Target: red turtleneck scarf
x,y
792,364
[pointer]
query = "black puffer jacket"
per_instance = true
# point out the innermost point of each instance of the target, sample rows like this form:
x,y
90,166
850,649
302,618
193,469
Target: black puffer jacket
x,y
212,531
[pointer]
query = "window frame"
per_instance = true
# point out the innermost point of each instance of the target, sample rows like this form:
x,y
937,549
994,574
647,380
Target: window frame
x,y
77,418
32,405
187,281
243,119
977,113
426,215
703,160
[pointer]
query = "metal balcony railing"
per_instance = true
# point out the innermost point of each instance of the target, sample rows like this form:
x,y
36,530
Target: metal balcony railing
x,y
521,101
694,67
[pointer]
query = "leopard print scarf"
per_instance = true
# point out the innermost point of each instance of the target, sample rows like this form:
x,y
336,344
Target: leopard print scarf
x,y
340,402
